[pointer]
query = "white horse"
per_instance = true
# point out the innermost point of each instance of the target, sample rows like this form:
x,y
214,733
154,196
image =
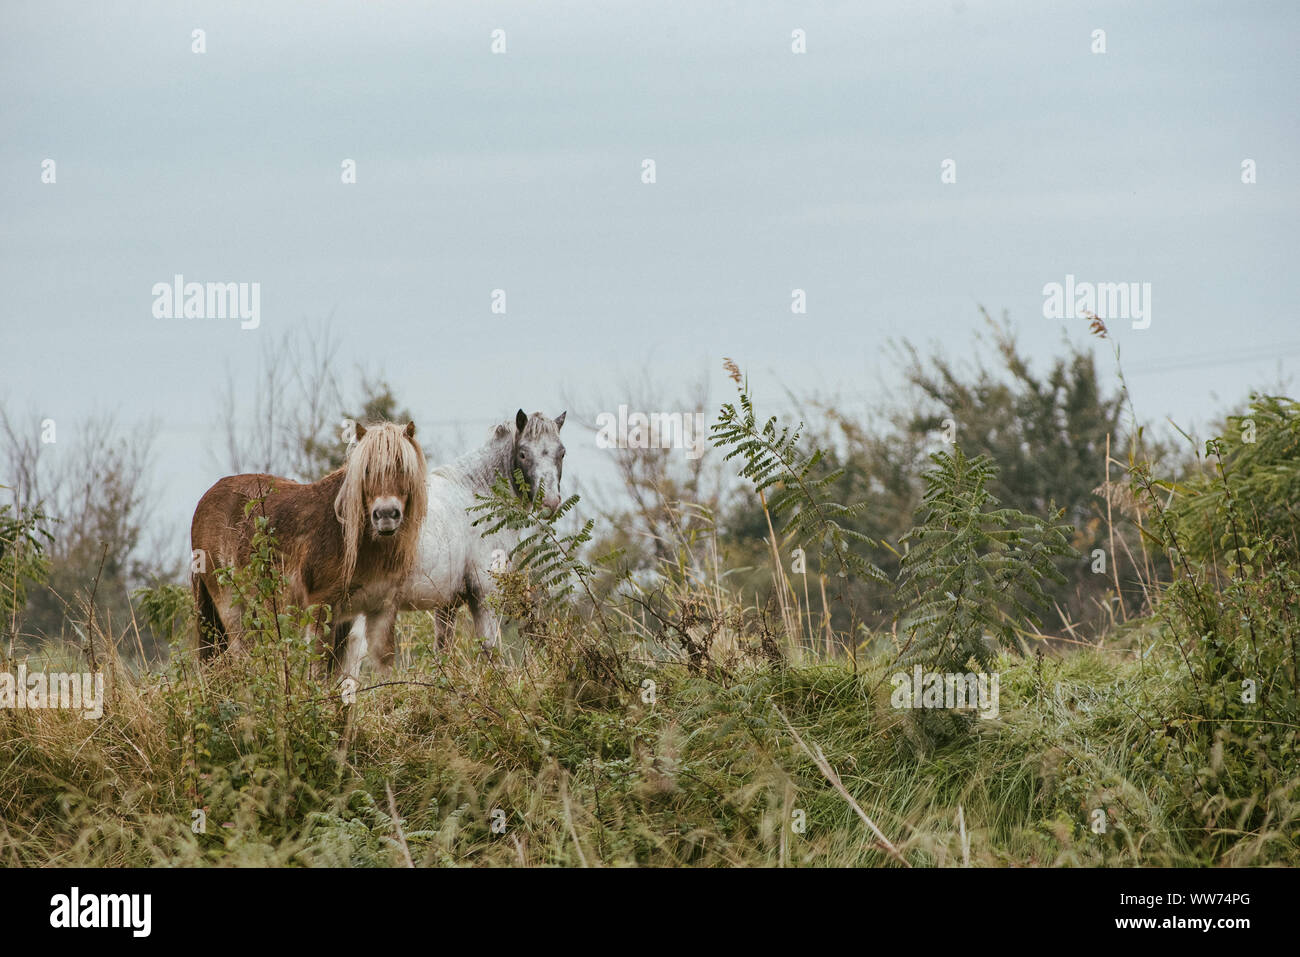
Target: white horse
x,y
455,560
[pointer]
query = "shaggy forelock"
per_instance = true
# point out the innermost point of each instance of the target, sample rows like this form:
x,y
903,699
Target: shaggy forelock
x,y
385,460
540,426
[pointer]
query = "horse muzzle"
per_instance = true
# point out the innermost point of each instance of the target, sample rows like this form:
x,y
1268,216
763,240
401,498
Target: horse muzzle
x,y
386,519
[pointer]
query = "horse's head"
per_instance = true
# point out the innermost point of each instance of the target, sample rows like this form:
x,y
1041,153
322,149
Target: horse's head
x,y
385,491
539,454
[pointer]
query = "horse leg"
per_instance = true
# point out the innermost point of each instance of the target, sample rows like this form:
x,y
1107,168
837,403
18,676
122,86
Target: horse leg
x,y
379,646
231,614
444,628
207,621
317,635
348,645
487,623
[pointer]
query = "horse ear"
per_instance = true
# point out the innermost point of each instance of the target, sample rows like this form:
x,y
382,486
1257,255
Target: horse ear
x,y
521,419
361,431
559,419
410,430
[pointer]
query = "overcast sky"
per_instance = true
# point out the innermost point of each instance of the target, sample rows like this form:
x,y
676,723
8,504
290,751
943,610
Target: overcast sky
x,y
522,171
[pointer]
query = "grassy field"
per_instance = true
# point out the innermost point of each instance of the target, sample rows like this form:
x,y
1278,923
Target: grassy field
x,y
688,725
551,761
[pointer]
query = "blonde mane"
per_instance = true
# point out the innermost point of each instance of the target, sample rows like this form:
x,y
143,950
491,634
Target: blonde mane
x,y
386,458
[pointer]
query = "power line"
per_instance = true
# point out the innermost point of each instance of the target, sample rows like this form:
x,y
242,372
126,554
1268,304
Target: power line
x,y
1179,363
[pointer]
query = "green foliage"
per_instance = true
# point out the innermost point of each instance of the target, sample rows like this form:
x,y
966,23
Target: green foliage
x,y
1236,736
256,742
772,460
1046,431
537,584
96,498
1249,494
24,536
973,568
973,571
549,554
1046,428
166,608
1049,430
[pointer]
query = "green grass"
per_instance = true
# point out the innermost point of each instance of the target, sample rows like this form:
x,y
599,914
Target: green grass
x,y
581,771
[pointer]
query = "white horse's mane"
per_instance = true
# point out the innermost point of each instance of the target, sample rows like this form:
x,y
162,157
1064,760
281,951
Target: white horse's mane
x,y
478,468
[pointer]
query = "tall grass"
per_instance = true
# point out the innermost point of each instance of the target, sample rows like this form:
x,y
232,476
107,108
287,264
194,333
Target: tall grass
x,y
680,723
547,762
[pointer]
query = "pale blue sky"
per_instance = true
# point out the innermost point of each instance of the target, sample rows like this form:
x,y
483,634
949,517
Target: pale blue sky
x,y
522,171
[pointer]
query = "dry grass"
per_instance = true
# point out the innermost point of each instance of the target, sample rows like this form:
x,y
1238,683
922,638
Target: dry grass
x,y
461,761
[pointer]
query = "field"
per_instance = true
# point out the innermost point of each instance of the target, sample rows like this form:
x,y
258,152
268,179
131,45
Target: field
x,y
688,722
573,772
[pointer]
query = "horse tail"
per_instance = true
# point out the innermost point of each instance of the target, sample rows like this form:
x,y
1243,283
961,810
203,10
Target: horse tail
x,y
211,632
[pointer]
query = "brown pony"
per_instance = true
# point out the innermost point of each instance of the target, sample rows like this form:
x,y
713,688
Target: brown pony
x,y
347,541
